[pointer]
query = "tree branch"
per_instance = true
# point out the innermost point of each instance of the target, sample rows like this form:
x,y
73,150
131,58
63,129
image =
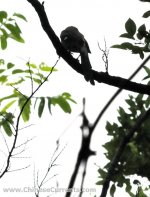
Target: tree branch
x,y
120,151
100,77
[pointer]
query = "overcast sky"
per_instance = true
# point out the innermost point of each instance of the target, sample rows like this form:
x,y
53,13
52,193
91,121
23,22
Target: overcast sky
x,y
97,20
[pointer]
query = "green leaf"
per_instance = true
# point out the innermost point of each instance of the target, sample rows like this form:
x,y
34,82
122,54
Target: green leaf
x,y
3,79
4,32
2,70
2,62
13,29
67,96
20,16
3,15
62,103
41,107
130,27
3,42
16,82
38,81
15,32
26,111
49,104
146,14
112,190
46,68
31,65
7,128
8,97
16,71
18,38
10,65
8,106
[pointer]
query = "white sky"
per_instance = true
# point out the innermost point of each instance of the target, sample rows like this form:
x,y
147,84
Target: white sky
x,y
96,20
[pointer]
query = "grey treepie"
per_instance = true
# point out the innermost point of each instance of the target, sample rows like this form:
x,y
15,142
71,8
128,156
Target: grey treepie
x,y
74,41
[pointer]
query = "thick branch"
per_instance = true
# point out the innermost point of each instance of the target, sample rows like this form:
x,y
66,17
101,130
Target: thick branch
x,y
100,77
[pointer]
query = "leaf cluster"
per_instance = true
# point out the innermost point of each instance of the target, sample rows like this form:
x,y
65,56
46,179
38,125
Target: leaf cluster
x,y
9,28
135,158
34,75
139,36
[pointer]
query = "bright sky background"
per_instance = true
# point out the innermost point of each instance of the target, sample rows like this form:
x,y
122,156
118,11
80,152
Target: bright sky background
x,y
96,20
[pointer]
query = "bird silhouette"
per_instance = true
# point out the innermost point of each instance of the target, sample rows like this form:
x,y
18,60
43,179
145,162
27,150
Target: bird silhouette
x,y
74,41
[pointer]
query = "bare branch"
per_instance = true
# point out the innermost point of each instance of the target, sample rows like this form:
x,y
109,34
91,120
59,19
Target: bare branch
x,y
38,186
6,169
32,88
19,169
5,141
105,55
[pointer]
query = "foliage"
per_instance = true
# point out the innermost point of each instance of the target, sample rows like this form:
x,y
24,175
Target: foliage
x,y
29,75
9,28
135,158
140,37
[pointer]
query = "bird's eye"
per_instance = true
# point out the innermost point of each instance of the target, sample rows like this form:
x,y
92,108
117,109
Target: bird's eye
x,y
65,38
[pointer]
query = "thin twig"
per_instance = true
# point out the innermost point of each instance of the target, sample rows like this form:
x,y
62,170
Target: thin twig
x,y
31,78
19,169
18,121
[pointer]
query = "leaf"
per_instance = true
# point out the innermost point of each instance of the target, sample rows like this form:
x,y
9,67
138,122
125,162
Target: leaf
x,y
2,62
41,107
16,71
130,27
4,32
10,65
49,104
15,32
2,70
142,32
46,68
16,82
38,81
31,65
20,16
18,38
146,14
141,55
26,109
3,79
3,15
62,103
7,128
13,29
3,42
8,106
126,35
67,96
125,46
112,190
147,70
8,97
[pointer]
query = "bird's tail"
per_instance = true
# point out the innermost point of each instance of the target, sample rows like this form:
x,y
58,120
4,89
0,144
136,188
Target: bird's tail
x,y
86,65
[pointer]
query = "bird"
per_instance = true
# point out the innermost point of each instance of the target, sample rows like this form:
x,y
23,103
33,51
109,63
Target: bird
x,y
74,41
